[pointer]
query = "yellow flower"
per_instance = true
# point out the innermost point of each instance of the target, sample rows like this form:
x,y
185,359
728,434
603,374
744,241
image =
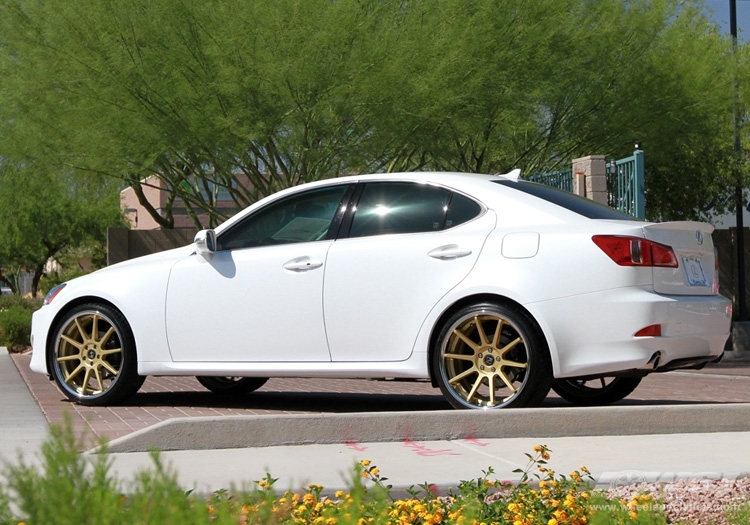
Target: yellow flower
x,y
538,448
542,484
633,515
584,469
545,455
340,494
513,507
546,493
365,462
585,495
552,521
375,471
263,483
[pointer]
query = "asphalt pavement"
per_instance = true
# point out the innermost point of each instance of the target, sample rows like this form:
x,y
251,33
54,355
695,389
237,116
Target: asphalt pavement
x,y
413,440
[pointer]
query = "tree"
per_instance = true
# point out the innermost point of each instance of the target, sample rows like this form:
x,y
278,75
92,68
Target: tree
x,y
208,95
42,214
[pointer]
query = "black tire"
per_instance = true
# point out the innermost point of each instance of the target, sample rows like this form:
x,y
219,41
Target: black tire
x,y
475,369
230,386
92,356
594,392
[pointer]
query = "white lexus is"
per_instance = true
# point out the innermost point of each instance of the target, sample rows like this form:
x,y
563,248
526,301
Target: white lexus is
x,y
493,288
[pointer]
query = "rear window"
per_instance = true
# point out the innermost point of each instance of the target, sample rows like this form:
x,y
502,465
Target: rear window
x,y
569,201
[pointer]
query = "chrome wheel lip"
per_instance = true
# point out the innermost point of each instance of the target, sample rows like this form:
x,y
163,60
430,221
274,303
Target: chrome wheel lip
x,y
93,360
481,356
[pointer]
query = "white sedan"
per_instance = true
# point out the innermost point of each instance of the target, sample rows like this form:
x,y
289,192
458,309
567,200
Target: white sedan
x,y
493,288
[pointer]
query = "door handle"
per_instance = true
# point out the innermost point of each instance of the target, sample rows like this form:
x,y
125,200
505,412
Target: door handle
x,y
449,252
302,264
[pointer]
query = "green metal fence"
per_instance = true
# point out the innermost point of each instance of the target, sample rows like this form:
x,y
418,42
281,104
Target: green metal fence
x,y
561,179
625,185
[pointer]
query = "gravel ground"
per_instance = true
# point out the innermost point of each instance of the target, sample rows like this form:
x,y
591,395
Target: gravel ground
x,y
698,502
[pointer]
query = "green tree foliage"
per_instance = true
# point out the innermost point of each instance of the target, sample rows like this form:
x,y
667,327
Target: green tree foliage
x,y
203,93
44,213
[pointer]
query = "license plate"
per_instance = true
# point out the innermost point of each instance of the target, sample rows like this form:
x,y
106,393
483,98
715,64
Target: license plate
x,y
694,271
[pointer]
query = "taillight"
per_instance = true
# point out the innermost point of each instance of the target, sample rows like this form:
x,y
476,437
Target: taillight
x,y
634,251
653,330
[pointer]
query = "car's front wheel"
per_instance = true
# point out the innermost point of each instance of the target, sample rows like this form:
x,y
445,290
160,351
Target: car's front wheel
x,y
230,386
92,356
492,356
598,391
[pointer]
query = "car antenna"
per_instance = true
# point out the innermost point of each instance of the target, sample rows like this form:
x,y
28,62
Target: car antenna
x,y
513,175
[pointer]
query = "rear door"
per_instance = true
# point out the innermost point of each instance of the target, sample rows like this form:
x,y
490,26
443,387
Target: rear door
x,y
407,246
694,248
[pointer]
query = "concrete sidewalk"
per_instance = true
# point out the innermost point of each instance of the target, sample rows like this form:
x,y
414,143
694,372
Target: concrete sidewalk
x,y
618,444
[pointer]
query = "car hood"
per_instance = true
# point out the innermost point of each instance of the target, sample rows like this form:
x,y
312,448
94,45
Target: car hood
x,y
148,260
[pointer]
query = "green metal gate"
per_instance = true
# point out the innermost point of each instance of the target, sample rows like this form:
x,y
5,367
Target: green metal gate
x,y
625,183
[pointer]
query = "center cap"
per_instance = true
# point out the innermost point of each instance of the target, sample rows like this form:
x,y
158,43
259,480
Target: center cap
x,y
92,354
489,360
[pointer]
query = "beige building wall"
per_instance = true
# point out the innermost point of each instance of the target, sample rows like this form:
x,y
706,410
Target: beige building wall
x,y
156,194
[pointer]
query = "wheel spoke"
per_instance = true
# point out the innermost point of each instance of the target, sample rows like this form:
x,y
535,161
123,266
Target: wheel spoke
x,y
74,373
455,379
72,342
507,382
110,368
480,330
465,338
491,385
81,330
94,327
98,377
474,388
85,382
510,346
514,364
72,357
498,333
106,336
111,351
460,357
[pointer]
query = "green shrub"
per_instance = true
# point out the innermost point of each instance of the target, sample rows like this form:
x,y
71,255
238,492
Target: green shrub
x,y
15,321
15,327
10,301
78,489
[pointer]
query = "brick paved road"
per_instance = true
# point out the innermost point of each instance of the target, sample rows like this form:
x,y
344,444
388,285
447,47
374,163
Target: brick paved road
x,y
163,398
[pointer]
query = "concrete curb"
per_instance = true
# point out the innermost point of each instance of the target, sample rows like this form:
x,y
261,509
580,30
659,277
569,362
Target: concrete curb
x,y
202,433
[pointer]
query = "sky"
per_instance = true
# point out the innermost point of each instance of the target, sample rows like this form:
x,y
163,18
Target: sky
x,y
720,10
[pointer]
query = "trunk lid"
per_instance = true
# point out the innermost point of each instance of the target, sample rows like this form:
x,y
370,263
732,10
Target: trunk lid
x,y
692,244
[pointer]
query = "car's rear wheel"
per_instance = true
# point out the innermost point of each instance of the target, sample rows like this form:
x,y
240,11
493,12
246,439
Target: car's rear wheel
x,y
492,356
229,386
598,391
93,356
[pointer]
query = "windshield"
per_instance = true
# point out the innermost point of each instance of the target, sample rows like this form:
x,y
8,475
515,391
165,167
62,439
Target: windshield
x,y
569,201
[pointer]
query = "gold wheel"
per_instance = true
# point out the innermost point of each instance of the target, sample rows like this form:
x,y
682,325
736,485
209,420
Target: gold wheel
x,y
485,360
93,350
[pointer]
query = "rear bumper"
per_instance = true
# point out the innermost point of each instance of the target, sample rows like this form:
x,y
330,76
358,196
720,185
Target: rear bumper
x,y
594,334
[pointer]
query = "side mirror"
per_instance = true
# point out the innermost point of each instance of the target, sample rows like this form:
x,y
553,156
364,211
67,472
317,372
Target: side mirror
x,y
205,243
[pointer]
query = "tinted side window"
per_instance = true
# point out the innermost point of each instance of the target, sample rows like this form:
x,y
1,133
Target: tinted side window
x,y
569,201
399,207
460,210
298,218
